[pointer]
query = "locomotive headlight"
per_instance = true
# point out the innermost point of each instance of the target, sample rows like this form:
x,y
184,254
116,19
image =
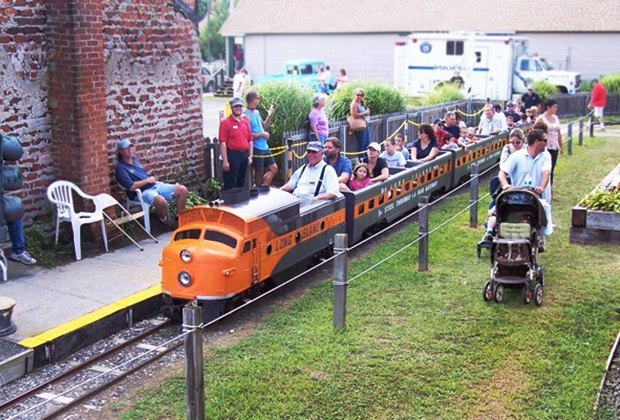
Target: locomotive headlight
x,y
186,255
184,278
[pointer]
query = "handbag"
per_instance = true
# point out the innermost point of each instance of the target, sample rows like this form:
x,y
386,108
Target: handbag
x,y
356,124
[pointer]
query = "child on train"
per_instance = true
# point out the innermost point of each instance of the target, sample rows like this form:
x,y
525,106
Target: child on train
x,y
361,177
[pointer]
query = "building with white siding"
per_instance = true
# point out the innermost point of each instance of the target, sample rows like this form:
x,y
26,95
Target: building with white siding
x,y
360,35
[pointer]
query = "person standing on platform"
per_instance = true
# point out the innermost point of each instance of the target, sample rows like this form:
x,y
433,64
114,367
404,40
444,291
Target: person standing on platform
x,y
235,146
265,168
597,102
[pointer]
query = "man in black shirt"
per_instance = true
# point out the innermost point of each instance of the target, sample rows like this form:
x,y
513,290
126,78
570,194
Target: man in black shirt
x,y
530,98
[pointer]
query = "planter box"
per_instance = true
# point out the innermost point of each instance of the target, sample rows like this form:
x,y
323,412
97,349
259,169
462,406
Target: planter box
x,y
593,226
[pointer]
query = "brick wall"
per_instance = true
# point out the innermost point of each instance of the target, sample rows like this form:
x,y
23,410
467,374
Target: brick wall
x,y
76,75
24,96
153,94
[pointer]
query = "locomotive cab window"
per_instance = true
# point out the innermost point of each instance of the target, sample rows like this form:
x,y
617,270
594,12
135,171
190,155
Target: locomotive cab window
x,y
187,234
222,238
246,247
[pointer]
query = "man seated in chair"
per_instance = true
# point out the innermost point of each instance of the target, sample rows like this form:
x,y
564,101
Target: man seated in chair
x,y
132,176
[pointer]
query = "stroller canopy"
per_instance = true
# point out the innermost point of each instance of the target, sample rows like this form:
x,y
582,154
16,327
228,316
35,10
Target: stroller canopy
x,y
516,203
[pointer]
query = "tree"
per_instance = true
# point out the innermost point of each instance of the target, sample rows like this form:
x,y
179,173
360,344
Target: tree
x,y
212,44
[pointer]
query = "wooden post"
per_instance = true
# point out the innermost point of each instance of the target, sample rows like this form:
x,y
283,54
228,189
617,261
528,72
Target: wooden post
x,y
194,375
289,159
423,234
591,124
340,281
208,158
473,210
570,139
581,131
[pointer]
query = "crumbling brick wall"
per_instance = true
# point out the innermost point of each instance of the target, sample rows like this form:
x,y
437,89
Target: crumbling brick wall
x,y
77,75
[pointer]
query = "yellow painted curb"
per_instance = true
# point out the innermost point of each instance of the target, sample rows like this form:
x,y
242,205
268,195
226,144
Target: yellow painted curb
x,y
76,324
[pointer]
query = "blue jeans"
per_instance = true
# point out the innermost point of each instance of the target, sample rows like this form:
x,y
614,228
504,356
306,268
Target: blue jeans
x,y
18,239
235,177
363,139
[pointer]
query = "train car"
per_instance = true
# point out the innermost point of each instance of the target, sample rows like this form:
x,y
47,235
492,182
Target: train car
x,y
387,201
222,252
484,152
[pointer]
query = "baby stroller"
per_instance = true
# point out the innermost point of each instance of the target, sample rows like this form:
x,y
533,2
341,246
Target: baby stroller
x,y
521,220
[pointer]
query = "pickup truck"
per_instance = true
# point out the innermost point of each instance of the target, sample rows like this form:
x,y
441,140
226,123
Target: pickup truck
x,y
537,68
304,72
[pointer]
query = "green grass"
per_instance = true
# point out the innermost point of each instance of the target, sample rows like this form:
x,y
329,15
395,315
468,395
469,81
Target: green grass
x,y
425,344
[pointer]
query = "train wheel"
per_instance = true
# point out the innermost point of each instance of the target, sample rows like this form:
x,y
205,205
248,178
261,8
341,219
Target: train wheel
x,y
526,294
498,293
538,295
487,291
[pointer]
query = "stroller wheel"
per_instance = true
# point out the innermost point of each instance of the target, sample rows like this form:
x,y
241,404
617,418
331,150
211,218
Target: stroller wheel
x,y
499,293
540,274
538,295
526,294
487,291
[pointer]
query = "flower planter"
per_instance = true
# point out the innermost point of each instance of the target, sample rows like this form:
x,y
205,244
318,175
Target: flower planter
x,y
594,226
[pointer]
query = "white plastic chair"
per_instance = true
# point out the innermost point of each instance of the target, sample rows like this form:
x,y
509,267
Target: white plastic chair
x,y
61,194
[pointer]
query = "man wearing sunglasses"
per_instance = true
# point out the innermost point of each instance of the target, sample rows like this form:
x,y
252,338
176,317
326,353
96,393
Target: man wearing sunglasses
x,y
316,180
529,166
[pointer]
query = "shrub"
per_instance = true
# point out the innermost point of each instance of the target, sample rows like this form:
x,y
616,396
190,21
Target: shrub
x,y
544,89
443,93
611,82
586,86
292,104
380,98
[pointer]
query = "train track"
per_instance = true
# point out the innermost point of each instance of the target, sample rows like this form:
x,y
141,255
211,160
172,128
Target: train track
x,y
82,382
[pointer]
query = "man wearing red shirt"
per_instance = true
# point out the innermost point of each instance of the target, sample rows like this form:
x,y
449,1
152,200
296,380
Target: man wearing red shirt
x,y
599,97
235,146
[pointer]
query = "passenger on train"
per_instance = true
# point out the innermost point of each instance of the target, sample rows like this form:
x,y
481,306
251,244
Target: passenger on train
x,y
451,143
450,124
376,165
489,124
316,179
131,176
340,163
399,141
425,148
393,157
440,133
361,177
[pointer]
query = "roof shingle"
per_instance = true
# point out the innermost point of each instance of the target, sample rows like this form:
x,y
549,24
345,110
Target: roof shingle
x,y
404,16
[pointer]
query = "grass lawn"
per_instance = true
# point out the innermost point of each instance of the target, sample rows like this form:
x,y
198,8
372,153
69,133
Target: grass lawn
x,y
425,344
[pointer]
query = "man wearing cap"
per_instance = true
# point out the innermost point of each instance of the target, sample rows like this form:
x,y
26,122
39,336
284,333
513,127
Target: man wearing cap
x,y
530,98
597,101
235,146
131,176
510,111
440,133
316,179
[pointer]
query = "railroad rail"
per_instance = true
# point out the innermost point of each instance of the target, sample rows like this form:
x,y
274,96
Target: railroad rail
x,y
58,388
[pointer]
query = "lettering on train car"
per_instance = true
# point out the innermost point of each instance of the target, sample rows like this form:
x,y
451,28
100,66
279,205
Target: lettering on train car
x,y
284,242
431,186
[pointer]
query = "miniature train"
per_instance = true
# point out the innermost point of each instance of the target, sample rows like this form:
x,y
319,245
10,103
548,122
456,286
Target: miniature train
x,y
221,253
